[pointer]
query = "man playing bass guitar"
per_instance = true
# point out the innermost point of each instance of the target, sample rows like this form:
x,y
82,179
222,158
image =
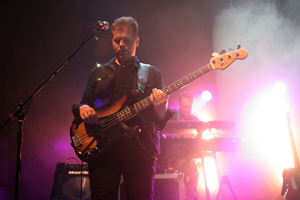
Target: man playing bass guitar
x,y
133,157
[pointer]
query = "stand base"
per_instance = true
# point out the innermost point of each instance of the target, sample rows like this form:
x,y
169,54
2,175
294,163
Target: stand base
x,y
225,181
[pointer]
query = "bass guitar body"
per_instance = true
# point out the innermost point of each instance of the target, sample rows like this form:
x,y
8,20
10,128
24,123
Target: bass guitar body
x,y
90,141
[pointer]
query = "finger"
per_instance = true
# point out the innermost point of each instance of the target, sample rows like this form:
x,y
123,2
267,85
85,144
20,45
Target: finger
x,y
86,118
83,116
151,97
94,118
160,95
90,119
156,94
91,115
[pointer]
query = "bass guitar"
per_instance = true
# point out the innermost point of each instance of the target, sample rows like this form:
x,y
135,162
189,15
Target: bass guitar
x,y
91,141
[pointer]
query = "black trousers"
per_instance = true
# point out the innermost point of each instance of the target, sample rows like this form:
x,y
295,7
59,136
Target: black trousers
x,y
127,158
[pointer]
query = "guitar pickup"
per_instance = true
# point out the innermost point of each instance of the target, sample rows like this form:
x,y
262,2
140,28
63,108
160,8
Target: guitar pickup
x,y
77,142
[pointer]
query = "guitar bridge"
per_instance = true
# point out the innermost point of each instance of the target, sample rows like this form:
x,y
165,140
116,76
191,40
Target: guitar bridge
x,y
77,140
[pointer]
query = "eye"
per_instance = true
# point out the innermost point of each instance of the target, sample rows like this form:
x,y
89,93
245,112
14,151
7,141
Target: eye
x,y
123,41
117,41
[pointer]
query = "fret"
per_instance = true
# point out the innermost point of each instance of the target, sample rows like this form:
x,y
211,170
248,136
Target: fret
x,y
125,113
119,114
184,81
144,103
136,107
128,112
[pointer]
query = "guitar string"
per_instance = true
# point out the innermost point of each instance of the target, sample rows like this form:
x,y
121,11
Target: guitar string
x,y
109,122
127,112
85,135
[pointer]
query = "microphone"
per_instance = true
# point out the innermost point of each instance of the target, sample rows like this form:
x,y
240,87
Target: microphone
x,y
103,25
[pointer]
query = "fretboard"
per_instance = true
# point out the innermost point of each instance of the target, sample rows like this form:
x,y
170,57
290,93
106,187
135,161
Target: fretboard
x,y
130,111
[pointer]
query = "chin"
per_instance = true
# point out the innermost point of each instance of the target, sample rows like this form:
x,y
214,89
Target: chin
x,y
122,56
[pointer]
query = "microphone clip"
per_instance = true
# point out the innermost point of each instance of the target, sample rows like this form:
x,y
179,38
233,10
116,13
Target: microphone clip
x,y
103,25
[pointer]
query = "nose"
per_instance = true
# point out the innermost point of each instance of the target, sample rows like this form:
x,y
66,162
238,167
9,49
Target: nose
x,y
121,43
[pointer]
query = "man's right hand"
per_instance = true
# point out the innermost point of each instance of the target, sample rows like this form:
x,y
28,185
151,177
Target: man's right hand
x,y
88,114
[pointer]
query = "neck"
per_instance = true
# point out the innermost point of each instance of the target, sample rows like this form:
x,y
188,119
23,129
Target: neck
x,y
126,63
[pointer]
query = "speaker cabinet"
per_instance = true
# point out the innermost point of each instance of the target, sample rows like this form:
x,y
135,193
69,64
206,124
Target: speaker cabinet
x,y
167,187
71,182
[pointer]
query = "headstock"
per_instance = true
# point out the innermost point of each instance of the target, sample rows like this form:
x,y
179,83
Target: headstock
x,y
225,59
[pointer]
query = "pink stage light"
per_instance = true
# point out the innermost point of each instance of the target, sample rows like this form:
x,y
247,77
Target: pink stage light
x,y
199,108
206,95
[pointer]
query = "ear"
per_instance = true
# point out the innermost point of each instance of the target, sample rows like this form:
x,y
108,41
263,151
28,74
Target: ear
x,y
137,41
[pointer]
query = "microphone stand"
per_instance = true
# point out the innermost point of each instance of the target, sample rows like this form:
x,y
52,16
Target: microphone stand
x,y
18,111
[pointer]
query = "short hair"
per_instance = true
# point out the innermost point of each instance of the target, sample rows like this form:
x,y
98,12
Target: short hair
x,y
187,96
126,21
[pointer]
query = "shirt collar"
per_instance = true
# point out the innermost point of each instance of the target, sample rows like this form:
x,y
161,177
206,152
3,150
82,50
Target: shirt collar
x,y
136,63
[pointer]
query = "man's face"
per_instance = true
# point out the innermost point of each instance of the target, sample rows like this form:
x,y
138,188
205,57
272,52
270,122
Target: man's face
x,y
124,43
185,107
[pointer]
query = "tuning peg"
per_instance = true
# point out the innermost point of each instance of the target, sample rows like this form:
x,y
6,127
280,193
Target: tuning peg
x,y
230,49
215,54
239,46
223,52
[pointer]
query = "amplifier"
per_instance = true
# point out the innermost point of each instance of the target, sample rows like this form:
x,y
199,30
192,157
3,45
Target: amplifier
x,y
71,182
167,187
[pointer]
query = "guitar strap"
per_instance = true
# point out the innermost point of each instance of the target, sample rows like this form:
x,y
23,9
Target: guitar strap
x,y
143,76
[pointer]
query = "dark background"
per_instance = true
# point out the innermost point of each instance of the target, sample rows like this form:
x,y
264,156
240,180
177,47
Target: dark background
x,y
176,36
